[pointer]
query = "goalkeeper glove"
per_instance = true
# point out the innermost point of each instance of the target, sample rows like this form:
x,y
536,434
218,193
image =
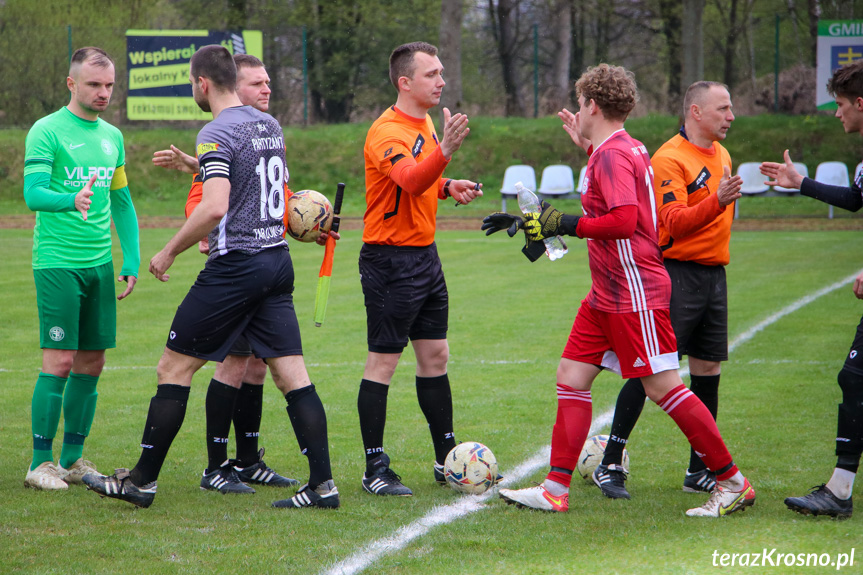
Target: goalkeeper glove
x,y
500,221
549,223
533,250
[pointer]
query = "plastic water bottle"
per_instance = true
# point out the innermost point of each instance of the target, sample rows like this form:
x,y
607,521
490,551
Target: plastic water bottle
x,y
555,247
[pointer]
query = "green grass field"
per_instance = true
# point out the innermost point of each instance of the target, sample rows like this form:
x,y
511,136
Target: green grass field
x,y
509,320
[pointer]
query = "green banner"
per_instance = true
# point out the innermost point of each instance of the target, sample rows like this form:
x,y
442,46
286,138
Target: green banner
x,y
158,69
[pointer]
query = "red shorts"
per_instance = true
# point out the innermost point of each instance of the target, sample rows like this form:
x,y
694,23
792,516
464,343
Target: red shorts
x,y
633,344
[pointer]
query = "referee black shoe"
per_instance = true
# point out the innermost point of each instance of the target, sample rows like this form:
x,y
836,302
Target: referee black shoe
x,y
821,501
609,479
325,496
699,481
119,486
383,480
224,479
261,474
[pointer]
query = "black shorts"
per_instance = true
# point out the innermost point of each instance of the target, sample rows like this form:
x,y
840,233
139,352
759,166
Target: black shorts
x,y
405,295
241,347
699,309
854,360
237,294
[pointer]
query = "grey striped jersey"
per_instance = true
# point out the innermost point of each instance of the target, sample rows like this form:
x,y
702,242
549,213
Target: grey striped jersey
x,y
247,147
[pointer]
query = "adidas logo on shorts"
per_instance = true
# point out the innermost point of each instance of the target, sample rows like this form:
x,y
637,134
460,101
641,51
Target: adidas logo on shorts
x,y
638,363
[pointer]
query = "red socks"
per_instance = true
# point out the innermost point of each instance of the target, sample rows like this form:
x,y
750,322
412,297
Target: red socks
x,y
574,412
696,422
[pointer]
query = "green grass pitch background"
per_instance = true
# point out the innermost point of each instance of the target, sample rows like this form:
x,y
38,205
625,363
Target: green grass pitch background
x,y
508,323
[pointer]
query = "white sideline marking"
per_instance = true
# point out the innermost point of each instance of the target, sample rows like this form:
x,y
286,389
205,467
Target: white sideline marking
x,y
366,556
441,515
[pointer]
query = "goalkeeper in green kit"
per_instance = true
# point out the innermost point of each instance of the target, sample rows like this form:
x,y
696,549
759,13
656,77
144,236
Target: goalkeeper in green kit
x,y
74,179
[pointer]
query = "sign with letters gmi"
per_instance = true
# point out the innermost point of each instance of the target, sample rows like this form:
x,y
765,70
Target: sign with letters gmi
x,y
158,65
840,42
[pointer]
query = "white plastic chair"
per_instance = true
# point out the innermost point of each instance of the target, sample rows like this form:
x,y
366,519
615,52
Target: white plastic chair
x,y
517,173
753,181
834,174
803,170
557,181
580,188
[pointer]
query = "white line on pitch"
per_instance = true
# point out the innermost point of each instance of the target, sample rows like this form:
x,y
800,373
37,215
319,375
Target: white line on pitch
x,y
366,556
442,515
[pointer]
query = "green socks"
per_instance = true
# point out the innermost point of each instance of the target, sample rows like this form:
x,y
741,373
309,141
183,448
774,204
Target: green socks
x,y
45,412
79,408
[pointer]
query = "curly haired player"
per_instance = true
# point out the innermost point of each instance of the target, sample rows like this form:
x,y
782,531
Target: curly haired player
x,y
623,324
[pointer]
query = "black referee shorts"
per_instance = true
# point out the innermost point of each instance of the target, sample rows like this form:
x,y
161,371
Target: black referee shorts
x,y
699,309
405,295
238,294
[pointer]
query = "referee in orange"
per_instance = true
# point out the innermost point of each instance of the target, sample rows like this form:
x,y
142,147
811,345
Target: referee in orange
x,y
695,196
403,284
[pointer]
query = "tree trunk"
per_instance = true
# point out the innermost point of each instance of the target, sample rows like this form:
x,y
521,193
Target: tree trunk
x,y
451,16
814,15
559,96
577,19
792,13
750,43
671,29
692,44
506,48
733,31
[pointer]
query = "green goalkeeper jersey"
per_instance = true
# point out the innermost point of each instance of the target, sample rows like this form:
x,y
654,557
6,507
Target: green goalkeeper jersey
x,y
70,150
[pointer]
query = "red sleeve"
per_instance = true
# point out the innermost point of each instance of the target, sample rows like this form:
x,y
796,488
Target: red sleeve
x,y
617,224
416,178
194,195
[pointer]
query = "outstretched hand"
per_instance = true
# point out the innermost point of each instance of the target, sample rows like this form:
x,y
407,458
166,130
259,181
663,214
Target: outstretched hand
x,y
572,125
82,198
160,263
545,224
130,285
176,159
501,221
455,130
729,187
784,174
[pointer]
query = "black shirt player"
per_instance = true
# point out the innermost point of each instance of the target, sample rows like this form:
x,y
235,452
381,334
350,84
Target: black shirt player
x,y
245,288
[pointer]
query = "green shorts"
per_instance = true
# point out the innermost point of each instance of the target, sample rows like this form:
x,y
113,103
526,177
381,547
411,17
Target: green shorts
x,y
77,308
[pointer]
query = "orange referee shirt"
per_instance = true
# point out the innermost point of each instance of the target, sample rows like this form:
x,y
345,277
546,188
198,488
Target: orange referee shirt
x,y
692,224
404,166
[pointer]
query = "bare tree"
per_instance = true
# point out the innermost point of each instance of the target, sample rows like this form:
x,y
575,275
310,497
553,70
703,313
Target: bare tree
x,y
559,93
451,16
692,44
670,12
735,15
814,15
504,18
